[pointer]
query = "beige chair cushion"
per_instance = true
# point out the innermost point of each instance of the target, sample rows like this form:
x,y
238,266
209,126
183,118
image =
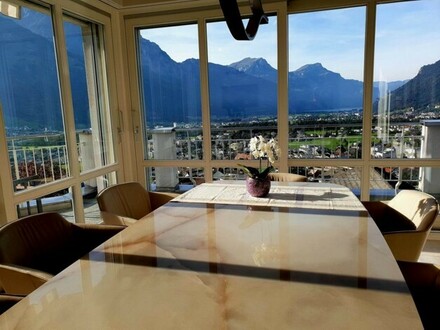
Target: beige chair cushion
x,y
7,301
21,280
405,222
417,206
387,218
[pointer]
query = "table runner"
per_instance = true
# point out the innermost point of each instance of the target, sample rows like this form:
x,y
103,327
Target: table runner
x,y
299,195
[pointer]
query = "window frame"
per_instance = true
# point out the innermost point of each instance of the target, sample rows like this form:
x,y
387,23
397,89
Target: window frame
x,y
282,9
109,90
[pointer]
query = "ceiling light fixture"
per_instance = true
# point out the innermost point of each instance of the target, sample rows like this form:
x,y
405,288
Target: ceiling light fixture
x,y
234,20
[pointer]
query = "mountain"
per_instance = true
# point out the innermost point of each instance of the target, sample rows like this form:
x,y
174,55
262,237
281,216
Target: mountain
x,y
420,92
257,67
392,85
29,85
313,87
29,90
246,89
163,77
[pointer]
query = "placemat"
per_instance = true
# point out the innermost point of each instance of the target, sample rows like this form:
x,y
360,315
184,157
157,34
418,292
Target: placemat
x,y
309,195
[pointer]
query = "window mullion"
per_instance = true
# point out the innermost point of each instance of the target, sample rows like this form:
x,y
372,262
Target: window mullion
x,y
67,108
204,91
368,97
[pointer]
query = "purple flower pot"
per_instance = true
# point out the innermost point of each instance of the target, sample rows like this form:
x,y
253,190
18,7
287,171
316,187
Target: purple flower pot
x,y
258,187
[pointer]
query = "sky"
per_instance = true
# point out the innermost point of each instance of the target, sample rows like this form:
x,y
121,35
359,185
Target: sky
x,y
407,37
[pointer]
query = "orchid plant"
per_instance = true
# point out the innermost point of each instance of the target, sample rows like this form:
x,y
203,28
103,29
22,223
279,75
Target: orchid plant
x,y
262,149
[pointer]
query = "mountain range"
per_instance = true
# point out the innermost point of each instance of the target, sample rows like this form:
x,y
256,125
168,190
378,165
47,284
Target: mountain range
x,y
248,89
29,92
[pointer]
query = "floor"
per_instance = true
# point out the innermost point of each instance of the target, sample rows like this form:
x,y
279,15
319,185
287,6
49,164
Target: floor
x,y
431,252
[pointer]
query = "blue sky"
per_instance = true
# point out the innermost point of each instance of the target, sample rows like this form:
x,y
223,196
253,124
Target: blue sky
x,y
407,37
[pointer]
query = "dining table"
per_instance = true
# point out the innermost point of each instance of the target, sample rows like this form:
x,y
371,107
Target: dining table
x,y
307,256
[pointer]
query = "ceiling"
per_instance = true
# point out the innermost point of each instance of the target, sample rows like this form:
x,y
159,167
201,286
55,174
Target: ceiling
x,y
138,3
197,3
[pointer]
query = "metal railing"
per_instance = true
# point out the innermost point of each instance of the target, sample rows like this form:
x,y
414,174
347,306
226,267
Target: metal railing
x,y
40,164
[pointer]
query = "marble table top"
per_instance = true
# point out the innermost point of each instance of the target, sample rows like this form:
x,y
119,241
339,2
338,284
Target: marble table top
x,y
229,266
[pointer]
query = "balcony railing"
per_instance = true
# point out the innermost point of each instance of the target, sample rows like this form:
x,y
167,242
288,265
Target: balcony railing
x,y
35,164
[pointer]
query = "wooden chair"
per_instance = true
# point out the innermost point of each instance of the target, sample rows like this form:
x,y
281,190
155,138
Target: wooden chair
x,y
287,177
405,221
125,203
35,248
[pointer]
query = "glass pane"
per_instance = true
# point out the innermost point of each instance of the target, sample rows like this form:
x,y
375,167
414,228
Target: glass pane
x,y
348,176
242,88
170,80
177,179
386,182
89,189
60,201
30,99
407,62
83,49
326,83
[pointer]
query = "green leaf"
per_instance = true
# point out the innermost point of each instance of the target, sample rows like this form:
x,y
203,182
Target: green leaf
x,y
255,173
263,174
250,171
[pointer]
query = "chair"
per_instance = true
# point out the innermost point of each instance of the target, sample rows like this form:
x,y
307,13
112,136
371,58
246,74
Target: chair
x,y
7,301
423,280
35,248
287,177
125,203
405,221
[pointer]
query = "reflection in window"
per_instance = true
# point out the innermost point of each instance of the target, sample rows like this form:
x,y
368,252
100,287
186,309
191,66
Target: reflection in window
x,y
407,59
30,99
326,83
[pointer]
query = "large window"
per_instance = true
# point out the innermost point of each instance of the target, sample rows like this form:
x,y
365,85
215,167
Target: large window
x,y
351,91
242,92
170,80
406,98
30,99
407,91
326,83
55,107
84,42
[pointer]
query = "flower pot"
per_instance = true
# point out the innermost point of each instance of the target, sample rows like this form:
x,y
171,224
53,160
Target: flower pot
x,y
258,187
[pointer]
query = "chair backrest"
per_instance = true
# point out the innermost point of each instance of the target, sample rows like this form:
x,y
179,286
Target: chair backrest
x,y
128,199
419,207
7,301
44,241
29,241
287,177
